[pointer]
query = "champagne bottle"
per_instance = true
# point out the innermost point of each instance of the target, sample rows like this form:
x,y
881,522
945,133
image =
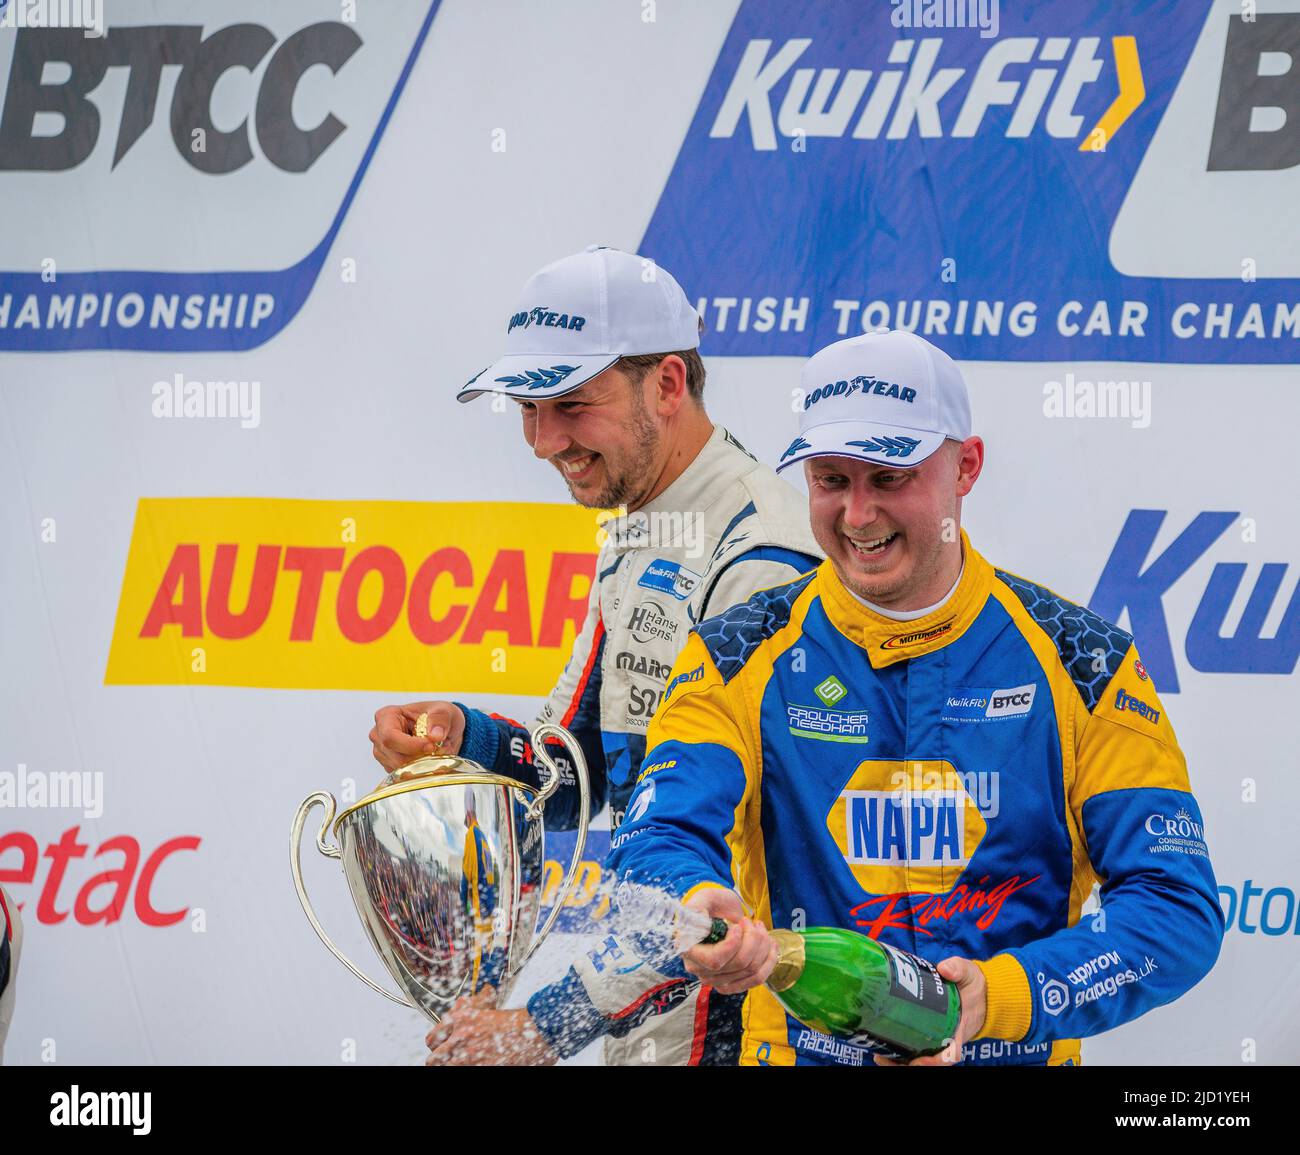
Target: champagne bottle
x,y
835,981
843,983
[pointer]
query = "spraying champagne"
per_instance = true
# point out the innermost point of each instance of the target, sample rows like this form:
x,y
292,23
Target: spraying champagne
x,y
832,980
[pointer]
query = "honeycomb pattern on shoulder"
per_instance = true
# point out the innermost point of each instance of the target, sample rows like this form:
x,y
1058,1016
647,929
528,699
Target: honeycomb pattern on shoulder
x,y
1091,648
733,636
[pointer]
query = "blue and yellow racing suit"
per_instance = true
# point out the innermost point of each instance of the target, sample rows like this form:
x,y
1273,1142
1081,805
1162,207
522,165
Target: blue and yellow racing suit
x,y
951,785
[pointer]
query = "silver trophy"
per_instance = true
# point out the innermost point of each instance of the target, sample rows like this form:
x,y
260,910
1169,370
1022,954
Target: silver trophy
x,y
445,861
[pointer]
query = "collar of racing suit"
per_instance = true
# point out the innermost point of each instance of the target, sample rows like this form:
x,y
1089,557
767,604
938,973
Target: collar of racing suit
x,y
887,641
703,479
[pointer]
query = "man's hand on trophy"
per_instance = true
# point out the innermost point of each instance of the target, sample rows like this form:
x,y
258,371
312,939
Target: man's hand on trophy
x,y
394,738
475,1033
740,961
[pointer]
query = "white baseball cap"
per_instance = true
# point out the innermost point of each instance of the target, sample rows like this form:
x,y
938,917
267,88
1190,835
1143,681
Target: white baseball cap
x,y
579,315
890,398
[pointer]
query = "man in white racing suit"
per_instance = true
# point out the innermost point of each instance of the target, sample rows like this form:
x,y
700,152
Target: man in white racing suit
x,y
11,947
603,362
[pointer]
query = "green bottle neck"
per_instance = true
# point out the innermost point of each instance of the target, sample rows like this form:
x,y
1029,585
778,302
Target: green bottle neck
x,y
789,960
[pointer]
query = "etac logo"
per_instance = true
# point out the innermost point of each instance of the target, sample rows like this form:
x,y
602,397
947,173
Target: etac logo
x,y
211,163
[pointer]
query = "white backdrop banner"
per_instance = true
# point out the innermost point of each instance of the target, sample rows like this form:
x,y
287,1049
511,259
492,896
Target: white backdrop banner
x,y
250,252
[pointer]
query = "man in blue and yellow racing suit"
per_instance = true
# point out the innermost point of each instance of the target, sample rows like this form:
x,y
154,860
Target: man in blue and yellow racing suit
x,y
913,744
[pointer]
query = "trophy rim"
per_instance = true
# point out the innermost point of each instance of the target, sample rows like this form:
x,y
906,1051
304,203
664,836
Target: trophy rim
x,y
425,781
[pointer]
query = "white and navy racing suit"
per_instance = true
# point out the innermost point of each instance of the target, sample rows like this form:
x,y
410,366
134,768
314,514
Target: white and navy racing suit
x,y
11,946
727,527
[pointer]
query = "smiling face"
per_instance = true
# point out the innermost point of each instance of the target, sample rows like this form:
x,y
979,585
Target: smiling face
x,y
602,438
892,534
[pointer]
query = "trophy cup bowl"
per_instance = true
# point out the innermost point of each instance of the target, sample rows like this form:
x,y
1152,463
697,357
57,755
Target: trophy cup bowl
x,y
444,861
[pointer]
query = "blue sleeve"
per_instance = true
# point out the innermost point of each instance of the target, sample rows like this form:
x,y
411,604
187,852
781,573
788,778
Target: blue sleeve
x,y
675,834
685,821
506,747
1157,933
1140,833
566,1013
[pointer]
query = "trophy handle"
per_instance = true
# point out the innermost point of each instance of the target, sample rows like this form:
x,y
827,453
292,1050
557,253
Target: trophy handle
x,y
540,735
295,864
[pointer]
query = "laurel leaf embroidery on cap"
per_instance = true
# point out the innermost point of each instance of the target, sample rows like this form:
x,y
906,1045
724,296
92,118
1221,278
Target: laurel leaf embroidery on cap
x,y
889,446
539,378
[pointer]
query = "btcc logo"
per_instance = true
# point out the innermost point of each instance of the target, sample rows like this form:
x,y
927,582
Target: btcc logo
x,y
1247,86
144,51
970,704
1007,703
670,577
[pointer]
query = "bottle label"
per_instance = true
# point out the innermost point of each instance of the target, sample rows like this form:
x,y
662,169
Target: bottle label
x,y
914,980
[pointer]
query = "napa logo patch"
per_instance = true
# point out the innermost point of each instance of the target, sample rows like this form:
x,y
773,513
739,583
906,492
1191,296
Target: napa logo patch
x,y
901,825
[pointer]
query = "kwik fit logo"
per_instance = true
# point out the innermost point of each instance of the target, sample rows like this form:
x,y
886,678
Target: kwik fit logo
x,y
146,160
1136,578
916,95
